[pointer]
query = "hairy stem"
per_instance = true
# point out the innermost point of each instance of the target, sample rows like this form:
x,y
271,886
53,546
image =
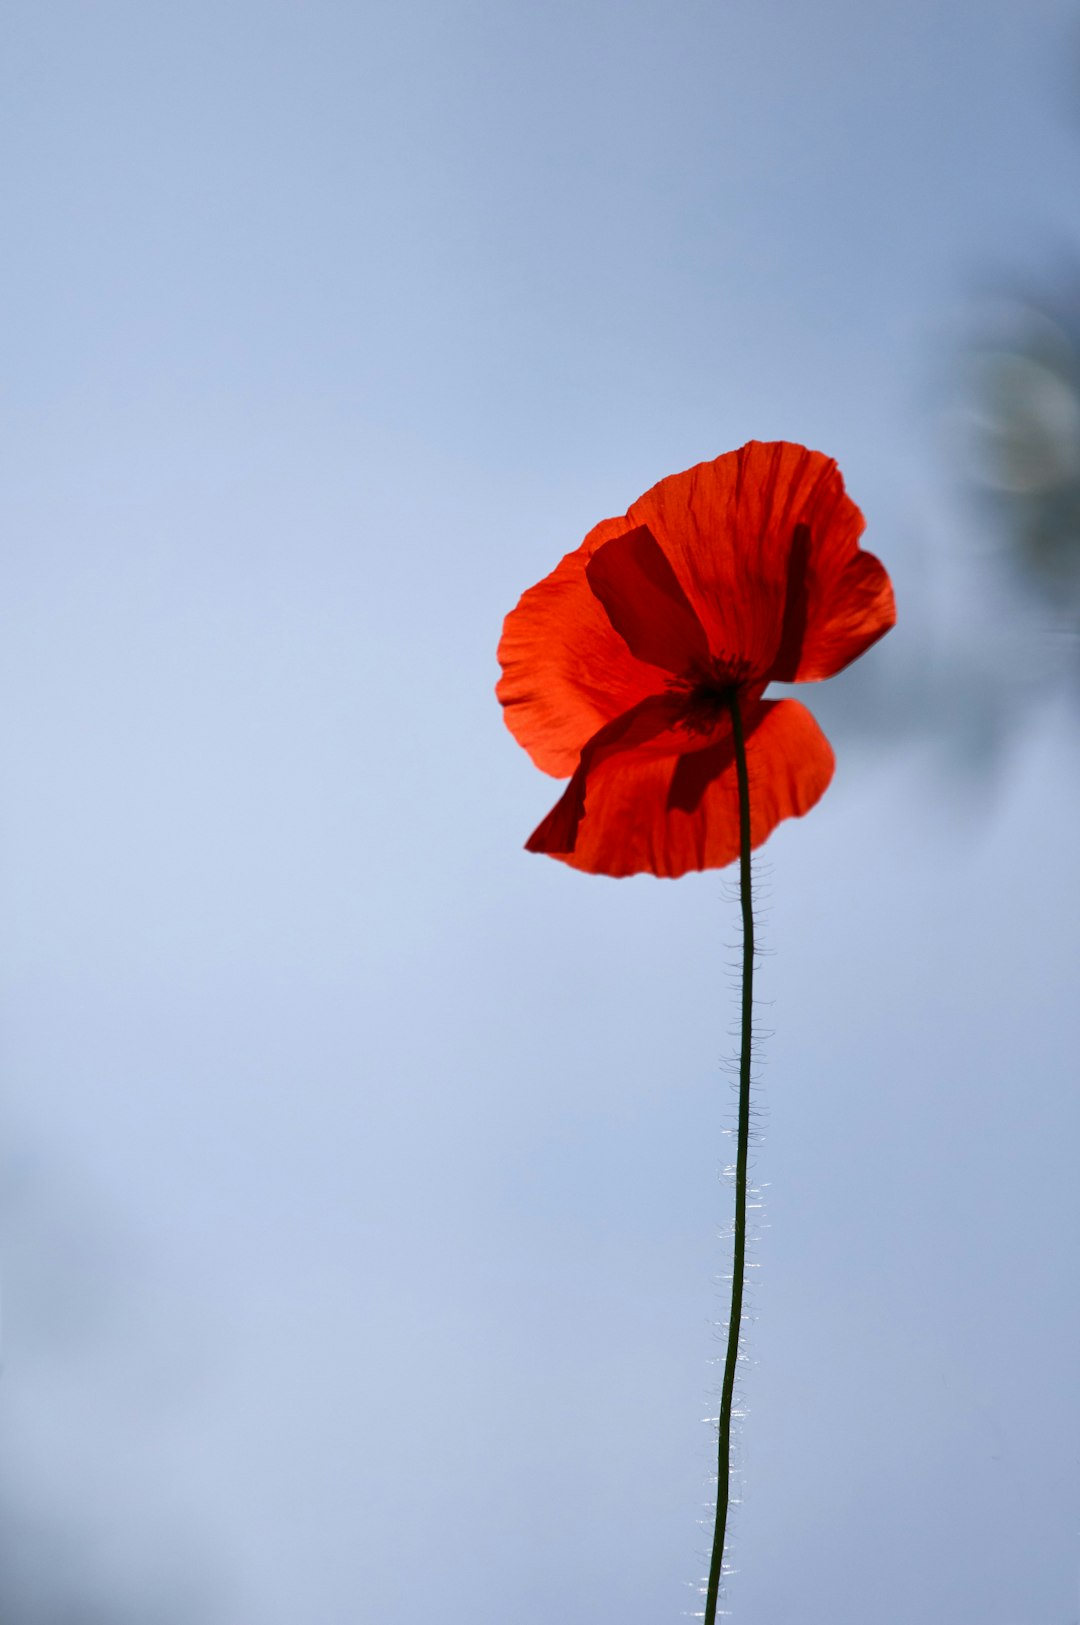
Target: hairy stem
x,y
738,1271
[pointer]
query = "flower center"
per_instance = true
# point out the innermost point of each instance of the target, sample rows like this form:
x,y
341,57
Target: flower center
x,y
707,695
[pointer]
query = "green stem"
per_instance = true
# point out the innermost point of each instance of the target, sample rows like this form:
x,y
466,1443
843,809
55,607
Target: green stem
x,y
738,1270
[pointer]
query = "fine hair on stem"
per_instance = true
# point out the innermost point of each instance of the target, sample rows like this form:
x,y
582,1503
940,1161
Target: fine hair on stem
x,y
738,1271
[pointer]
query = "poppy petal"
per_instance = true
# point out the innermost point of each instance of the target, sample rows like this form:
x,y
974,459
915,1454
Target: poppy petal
x,y
650,731
566,670
647,812
695,771
852,608
645,603
764,541
796,608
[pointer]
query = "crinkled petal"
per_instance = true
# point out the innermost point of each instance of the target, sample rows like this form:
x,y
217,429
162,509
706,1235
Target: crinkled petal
x,y
645,603
659,811
651,731
853,607
764,541
566,671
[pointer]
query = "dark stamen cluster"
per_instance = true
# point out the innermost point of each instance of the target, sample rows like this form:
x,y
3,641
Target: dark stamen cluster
x,y
707,696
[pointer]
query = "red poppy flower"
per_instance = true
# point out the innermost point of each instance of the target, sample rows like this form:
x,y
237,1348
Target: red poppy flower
x,y
619,667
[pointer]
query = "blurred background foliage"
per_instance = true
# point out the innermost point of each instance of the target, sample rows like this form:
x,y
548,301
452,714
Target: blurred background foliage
x,y
1022,431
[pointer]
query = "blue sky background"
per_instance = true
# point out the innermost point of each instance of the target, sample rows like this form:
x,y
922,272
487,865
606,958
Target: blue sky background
x,y
361,1204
